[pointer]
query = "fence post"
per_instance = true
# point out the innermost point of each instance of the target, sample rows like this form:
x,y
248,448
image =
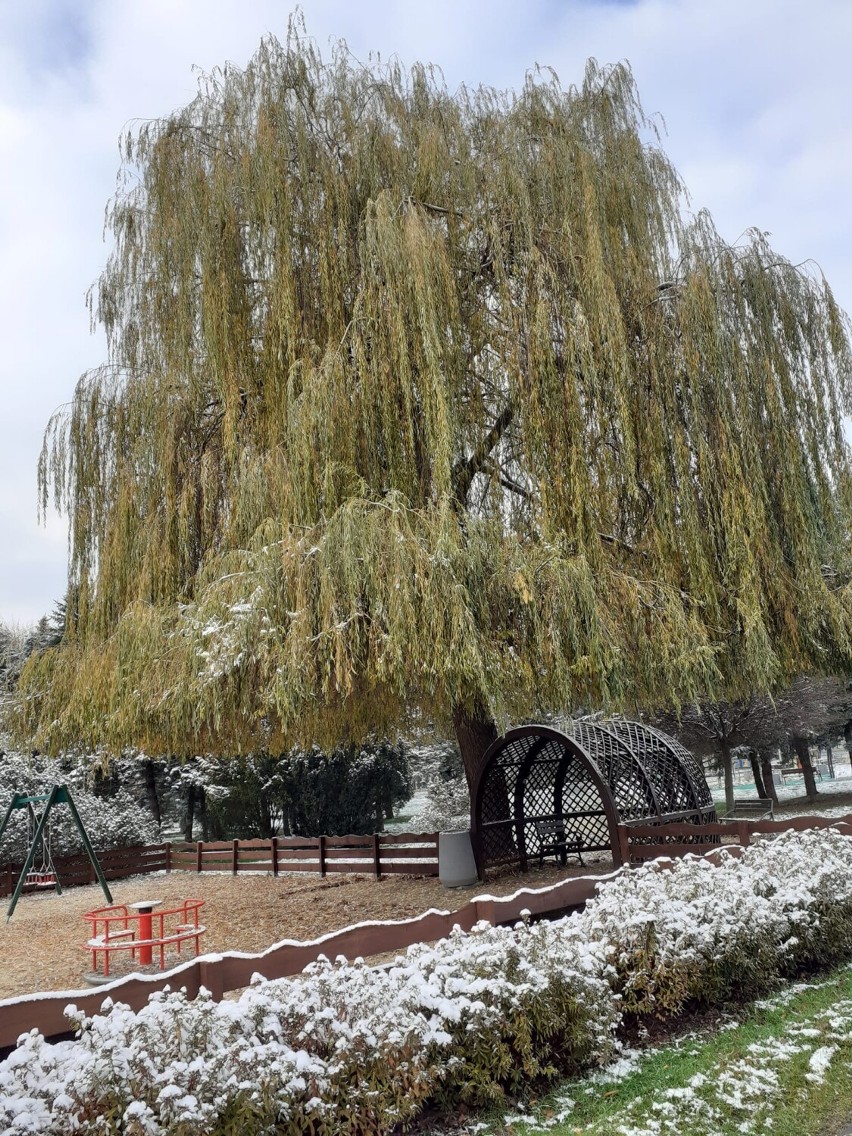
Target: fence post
x,y
321,851
168,855
275,855
377,852
743,834
235,857
211,977
198,849
624,843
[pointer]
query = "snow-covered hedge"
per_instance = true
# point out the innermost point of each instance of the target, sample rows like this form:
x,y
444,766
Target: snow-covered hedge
x,y
345,1049
111,822
342,1049
701,934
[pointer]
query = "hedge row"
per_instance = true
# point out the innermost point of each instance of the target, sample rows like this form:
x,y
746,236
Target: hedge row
x,y
346,1049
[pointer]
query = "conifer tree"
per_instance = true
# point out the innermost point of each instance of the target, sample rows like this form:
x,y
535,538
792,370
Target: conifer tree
x,y
420,399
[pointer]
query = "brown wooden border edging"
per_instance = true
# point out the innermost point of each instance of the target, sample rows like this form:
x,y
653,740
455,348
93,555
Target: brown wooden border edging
x,y
231,971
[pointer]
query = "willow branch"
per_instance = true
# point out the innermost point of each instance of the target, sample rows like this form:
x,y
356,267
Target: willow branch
x,y
465,471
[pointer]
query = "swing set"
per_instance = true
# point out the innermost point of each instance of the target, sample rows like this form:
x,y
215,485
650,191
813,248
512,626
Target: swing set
x,y
39,870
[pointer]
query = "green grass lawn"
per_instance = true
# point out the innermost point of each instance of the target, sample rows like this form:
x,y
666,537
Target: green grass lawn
x,y
782,1068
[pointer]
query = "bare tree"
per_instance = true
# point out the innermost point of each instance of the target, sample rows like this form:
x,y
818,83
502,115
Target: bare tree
x,y
811,709
716,729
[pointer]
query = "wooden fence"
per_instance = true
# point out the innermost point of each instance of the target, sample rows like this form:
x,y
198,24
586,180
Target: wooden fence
x,y
639,841
384,853
220,973
116,864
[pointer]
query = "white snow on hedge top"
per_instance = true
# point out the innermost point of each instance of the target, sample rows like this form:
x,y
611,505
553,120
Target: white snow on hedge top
x,y
346,1045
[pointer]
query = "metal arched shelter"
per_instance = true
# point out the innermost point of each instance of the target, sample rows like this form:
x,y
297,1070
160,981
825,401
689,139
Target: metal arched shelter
x,y
586,780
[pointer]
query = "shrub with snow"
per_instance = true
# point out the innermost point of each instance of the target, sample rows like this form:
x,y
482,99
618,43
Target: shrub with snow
x,y
110,822
701,934
343,1049
346,1049
518,1004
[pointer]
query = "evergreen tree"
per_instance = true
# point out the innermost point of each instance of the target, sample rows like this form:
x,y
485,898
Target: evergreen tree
x,y
12,654
116,821
420,398
352,789
18,643
49,631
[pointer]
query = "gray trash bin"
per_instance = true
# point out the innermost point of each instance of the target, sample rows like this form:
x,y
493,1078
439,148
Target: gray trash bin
x,y
456,865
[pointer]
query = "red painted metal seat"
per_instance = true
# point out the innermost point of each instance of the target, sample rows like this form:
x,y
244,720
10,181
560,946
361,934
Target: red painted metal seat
x,y
127,930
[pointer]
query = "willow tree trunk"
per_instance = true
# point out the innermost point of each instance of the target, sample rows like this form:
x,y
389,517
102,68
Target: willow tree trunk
x,y
754,762
475,731
728,771
803,752
768,777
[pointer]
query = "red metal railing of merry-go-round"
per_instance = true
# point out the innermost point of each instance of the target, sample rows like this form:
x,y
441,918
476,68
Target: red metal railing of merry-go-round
x,y
126,929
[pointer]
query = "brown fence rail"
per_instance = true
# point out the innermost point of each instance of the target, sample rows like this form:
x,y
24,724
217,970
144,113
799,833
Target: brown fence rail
x,y
383,854
116,863
220,973
640,841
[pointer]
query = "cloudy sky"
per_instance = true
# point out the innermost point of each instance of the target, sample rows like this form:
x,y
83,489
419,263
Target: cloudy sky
x,y
756,97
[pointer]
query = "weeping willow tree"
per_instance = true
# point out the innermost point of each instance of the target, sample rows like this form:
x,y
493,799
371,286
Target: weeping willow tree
x,y
438,401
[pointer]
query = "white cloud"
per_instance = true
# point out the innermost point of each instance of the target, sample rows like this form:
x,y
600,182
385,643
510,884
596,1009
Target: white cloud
x,y
756,95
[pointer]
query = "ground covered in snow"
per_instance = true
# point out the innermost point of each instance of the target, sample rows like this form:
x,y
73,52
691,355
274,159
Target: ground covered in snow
x,y
835,793
755,1076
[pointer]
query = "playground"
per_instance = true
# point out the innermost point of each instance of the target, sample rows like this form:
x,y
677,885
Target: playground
x,y
42,946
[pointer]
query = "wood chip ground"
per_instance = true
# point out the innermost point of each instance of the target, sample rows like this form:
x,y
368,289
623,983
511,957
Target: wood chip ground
x,y
41,947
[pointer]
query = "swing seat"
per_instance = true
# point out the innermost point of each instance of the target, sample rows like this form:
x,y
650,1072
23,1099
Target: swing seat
x,y
40,879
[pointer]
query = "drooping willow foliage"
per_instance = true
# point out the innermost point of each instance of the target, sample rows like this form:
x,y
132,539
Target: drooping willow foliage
x,y
435,399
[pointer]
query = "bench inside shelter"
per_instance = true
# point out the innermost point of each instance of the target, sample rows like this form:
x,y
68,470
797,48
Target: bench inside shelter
x,y
753,808
555,841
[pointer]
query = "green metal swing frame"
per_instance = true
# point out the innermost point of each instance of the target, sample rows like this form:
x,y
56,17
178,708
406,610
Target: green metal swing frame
x,y
58,795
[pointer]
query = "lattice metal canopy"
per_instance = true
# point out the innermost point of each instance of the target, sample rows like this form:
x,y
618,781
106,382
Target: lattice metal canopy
x,y
580,783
